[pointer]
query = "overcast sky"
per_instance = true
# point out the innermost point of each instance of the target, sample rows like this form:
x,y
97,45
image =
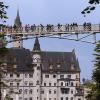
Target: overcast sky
x,y
53,12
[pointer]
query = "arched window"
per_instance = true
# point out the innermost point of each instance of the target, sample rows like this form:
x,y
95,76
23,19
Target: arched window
x,y
20,91
71,83
61,83
30,91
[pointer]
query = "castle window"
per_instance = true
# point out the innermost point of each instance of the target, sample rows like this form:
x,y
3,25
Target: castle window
x,y
30,91
38,67
17,84
30,98
76,84
42,92
31,84
61,83
18,75
37,82
20,98
25,99
54,84
49,84
11,84
76,76
71,91
25,83
49,98
61,76
54,91
54,98
44,98
66,84
25,91
54,76
11,75
20,91
66,98
65,90
31,75
25,75
46,76
69,76
44,84
61,98
79,99
71,98
71,83
49,91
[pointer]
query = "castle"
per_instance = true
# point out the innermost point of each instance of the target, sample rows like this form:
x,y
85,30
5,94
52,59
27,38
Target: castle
x,y
41,75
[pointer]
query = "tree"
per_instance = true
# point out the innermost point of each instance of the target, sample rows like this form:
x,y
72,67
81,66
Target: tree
x,y
96,71
3,49
3,13
91,7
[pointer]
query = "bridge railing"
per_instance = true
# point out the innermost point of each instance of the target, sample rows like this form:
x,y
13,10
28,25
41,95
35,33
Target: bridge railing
x,y
50,29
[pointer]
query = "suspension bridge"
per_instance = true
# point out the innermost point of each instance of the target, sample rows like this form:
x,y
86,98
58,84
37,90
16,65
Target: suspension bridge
x,y
68,31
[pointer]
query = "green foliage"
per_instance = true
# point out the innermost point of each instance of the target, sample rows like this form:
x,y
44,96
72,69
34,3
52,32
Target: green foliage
x,y
91,7
3,13
3,49
94,93
96,72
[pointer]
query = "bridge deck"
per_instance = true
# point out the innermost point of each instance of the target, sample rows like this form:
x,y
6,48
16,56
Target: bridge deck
x,y
62,29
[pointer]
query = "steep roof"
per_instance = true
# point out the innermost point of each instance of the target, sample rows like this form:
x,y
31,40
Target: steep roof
x,y
17,22
19,57
36,45
59,62
50,61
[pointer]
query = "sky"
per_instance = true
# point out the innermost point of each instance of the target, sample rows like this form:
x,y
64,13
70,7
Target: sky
x,y
54,12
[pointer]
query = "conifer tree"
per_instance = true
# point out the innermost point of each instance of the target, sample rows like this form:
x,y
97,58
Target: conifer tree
x,y
96,71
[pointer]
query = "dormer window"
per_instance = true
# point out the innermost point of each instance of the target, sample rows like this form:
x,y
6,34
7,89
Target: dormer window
x,y
51,66
15,59
58,65
72,67
14,66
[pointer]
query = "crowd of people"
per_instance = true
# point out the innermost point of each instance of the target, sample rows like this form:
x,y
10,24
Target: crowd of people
x,y
48,28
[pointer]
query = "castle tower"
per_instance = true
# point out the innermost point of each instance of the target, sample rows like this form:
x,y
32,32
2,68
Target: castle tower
x,y
36,55
17,28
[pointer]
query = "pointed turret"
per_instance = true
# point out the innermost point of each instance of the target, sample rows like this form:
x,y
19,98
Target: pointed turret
x,y
17,28
17,20
36,45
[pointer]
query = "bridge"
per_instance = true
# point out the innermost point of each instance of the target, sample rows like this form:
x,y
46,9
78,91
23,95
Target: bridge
x,y
68,31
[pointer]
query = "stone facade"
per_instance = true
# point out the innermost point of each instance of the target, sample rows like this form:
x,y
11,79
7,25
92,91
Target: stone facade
x,y
40,75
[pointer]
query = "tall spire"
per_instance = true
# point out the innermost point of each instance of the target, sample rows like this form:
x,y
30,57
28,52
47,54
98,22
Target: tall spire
x,y
36,45
17,20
